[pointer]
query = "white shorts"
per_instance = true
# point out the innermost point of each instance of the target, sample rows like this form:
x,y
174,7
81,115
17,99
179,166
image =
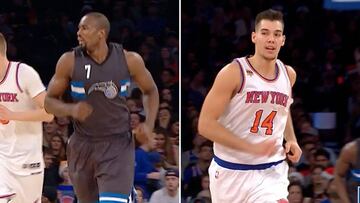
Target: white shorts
x,y
20,189
249,186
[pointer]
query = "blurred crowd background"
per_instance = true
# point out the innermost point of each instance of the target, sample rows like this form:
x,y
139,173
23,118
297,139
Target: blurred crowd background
x,y
321,45
38,32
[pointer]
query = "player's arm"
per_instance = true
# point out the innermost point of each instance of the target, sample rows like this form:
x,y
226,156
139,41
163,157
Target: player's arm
x,y
29,82
289,133
58,85
38,114
225,86
145,82
342,167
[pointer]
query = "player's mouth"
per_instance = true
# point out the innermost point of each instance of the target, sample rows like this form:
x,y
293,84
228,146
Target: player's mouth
x,y
270,48
81,41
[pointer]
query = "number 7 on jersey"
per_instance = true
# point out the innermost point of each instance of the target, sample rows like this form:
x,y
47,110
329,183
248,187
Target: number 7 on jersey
x,y
88,69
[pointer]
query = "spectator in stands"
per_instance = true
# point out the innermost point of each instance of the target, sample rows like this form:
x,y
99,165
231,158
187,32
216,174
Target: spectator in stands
x,y
169,193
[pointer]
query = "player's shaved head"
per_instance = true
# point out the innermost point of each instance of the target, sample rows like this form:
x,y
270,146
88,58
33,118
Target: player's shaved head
x,y
2,45
101,21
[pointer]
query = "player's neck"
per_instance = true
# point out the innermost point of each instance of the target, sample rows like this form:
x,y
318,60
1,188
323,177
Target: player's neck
x,y
4,63
263,66
100,53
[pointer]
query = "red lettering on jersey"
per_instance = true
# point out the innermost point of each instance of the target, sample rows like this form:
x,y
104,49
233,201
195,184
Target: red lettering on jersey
x,y
8,97
279,98
264,96
256,97
285,101
273,95
249,97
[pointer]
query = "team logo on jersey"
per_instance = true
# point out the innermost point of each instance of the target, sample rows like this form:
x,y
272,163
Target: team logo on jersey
x,y
249,72
109,89
31,165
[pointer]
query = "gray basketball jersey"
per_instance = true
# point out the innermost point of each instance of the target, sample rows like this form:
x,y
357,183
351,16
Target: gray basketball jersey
x,y
353,178
104,86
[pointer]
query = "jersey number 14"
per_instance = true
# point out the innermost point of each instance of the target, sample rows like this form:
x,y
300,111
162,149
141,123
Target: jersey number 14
x,y
266,123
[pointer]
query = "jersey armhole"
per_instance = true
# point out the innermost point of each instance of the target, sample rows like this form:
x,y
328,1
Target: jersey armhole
x,y
242,75
288,77
17,77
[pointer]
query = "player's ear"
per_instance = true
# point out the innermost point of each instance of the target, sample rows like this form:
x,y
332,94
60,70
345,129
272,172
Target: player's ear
x,y
102,33
283,40
253,37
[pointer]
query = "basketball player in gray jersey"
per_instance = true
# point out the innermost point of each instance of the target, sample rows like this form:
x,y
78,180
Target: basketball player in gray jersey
x,y
101,151
347,172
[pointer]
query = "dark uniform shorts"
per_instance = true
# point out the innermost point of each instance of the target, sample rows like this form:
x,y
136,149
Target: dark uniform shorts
x,y
102,168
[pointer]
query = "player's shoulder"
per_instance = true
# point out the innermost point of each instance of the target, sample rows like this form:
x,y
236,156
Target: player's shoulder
x,y
349,150
24,68
351,146
230,70
133,60
229,77
290,72
68,55
132,55
67,59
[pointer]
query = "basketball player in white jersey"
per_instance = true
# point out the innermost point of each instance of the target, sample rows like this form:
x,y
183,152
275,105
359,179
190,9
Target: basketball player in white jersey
x,y
22,97
246,114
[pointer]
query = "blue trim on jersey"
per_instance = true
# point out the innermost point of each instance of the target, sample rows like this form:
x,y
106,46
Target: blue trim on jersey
x,y
106,201
78,95
111,194
237,166
355,175
124,86
117,197
77,83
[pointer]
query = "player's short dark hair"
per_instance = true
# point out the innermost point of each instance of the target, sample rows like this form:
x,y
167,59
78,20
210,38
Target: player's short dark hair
x,y
269,14
102,21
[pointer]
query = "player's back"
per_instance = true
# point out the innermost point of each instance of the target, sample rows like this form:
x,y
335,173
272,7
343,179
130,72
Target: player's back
x,y
21,141
104,86
257,112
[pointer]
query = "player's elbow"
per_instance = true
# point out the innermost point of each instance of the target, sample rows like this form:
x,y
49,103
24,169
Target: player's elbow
x,y
203,126
48,117
47,103
151,91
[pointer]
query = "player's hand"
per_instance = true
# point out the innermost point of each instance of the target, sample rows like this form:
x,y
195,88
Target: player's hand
x,y
5,114
81,111
264,148
293,151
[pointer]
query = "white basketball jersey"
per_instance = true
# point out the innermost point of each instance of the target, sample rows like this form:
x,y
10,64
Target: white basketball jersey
x,y
258,112
21,142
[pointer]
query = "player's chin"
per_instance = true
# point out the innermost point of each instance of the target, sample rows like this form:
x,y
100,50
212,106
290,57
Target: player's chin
x,y
270,57
82,45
